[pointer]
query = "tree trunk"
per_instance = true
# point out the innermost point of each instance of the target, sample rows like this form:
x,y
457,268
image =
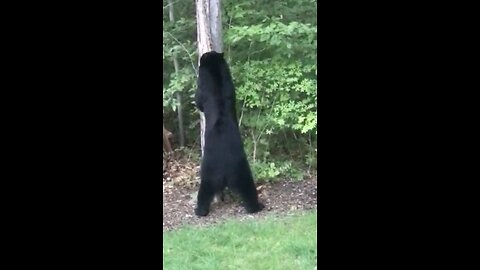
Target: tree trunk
x,y
209,37
179,96
166,140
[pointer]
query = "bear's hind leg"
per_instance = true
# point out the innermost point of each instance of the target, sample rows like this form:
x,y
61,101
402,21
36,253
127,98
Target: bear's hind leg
x,y
248,192
205,197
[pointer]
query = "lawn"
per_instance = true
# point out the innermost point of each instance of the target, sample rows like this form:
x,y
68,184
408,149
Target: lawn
x,y
276,243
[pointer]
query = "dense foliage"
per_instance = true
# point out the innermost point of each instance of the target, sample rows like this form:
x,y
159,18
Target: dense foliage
x,y
271,48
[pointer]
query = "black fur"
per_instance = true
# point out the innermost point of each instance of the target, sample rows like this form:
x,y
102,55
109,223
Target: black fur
x,y
224,162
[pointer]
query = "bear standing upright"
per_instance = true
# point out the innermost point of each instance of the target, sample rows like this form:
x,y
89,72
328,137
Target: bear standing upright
x,y
224,162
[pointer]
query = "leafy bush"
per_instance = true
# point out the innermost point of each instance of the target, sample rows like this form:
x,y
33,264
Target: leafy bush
x,y
271,48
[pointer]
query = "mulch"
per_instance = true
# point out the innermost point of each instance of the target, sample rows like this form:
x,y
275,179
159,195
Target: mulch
x,y
180,185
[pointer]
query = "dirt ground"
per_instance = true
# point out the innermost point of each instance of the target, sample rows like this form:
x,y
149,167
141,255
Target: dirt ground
x,y
179,197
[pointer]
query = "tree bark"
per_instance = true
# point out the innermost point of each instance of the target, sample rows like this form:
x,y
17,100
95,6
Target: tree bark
x,y
209,38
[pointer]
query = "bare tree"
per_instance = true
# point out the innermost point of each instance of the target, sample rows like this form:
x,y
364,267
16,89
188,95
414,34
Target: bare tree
x,y
209,37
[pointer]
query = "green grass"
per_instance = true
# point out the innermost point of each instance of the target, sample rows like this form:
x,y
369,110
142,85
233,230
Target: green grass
x,y
271,243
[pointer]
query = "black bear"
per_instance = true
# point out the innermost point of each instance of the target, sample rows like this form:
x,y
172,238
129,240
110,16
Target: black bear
x,y
224,162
